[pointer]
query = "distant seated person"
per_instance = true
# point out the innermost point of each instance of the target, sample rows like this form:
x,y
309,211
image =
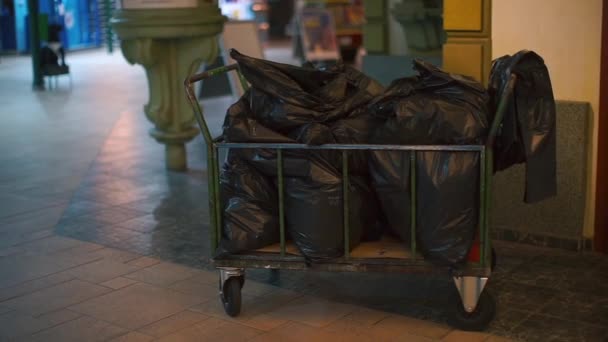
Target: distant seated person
x,y
53,53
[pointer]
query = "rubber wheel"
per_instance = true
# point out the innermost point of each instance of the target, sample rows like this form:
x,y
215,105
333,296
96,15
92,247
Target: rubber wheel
x,y
231,296
477,320
241,279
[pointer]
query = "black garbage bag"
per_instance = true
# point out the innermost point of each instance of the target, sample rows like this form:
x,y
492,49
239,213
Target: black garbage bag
x,y
315,216
528,132
250,208
432,108
285,96
390,174
241,126
357,128
447,205
313,193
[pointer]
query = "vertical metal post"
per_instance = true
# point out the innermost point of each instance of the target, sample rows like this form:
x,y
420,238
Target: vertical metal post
x,y
482,206
108,13
346,204
214,229
488,202
413,197
32,7
281,199
217,195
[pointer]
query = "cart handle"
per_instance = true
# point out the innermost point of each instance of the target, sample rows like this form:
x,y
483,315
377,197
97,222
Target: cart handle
x,y
503,104
198,111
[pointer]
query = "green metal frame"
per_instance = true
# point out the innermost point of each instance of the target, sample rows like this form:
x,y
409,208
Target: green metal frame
x,y
346,263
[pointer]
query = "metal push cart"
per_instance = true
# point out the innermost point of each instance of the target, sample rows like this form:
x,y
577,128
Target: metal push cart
x,y
474,309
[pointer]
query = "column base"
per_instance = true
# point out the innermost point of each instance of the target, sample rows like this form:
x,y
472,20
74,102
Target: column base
x,y
175,157
175,147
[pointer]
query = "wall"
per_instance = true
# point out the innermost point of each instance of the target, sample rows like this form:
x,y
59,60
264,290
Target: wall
x,y
567,34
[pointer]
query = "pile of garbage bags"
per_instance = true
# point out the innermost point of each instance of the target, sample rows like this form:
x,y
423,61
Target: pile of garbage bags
x,y
340,105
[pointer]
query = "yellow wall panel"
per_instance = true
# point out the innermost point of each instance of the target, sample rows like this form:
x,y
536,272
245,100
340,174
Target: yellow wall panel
x,y
462,15
464,59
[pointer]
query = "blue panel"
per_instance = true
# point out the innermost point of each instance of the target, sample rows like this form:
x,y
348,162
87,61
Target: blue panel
x,y
20,28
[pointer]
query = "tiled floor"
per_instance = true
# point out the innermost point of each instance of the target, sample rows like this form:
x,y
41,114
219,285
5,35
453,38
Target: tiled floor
x,y
99,242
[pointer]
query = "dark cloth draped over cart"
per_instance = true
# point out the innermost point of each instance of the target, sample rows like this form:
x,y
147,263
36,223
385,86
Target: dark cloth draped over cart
x,y
527,133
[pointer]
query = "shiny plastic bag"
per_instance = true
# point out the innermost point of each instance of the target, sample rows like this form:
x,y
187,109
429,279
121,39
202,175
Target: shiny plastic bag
x,y
250,208
315,216
447,204
432,108
285,97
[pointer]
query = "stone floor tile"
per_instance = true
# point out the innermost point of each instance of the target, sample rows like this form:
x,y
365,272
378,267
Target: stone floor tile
x,y
78,330
136,306
413,326
118,283
69,259
51,244
255,288
367,316
11,251
407,337
34,285
32,221
148,223
15,324
213,329
114,254
545,328
465,336
299,332
263,322
133,336
203,292
586,308
162,274
143,262
59,316
494,338
312,311
11,205
362,331
56,297
101,271
17,269
113,215
207,277
173,323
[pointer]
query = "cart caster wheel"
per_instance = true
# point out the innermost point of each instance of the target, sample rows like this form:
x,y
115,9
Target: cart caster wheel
x,y
241,279
231,296
477,320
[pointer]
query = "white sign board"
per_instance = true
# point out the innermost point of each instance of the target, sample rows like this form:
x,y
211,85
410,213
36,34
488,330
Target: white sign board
x,y
150,4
